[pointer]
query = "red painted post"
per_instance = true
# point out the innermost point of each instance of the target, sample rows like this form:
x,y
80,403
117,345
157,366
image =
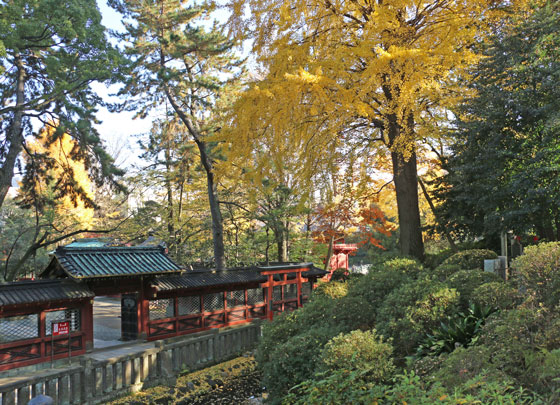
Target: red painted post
x,y
269,296
43,343
143,313
87,324
299,297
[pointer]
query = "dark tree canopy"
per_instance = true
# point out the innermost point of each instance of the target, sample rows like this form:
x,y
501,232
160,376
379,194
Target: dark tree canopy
x,y
51,51
505,173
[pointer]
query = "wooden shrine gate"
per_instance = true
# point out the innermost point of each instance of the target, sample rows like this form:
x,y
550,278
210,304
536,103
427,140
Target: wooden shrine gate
x,y
160,299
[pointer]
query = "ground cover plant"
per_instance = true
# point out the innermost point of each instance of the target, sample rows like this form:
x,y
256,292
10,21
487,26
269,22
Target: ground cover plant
x,y
408,333
233,381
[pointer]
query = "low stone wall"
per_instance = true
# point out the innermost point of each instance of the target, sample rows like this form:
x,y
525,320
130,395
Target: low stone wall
x,y
94,381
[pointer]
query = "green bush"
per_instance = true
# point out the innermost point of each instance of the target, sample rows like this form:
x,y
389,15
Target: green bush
x,y
332,289
538,272
460,330
294,360
337,308
410,267
358,309
470,259
544,367
496,294
513,335
332,387
466,282
444,271
433,260
340,274
360,351
408,388
410,310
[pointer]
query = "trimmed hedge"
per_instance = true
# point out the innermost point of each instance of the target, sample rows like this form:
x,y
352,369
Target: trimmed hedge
x,y
471,259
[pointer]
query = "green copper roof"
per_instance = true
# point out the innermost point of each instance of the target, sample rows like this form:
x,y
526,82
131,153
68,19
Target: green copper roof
x,y
101,262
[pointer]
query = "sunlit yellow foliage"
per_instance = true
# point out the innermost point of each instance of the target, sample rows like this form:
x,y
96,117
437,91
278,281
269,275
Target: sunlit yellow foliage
x,y
361,72
67,210
329,63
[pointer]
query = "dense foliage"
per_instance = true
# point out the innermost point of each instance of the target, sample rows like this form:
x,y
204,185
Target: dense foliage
x,y
503,173
404,331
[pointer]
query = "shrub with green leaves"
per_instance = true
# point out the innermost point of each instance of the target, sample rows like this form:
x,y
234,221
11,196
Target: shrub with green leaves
x,y
294,360
466,282
340,274
408,388
410,267
433,260
332,289
358,309
496,294
444,271
471,259
460,330
512,335
361,351
408,311
538,272
338,308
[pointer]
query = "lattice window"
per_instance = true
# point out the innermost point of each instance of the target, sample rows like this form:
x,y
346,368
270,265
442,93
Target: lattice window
x,y
255,296
290,291
306,289
235,298
71,314
19,327
277,293
162,308
214,302
189,305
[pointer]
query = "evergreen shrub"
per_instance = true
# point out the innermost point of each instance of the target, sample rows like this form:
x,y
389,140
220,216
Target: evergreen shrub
x,y
538,272
362,351
470,259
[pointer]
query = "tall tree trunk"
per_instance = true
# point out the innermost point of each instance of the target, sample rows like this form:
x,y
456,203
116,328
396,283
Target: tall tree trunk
x,y
406,188
267,259
280,234
169,187
329,252
217,226
15,134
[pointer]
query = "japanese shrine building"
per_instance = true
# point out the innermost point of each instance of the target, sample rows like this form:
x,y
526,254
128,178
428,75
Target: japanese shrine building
x,y
159,299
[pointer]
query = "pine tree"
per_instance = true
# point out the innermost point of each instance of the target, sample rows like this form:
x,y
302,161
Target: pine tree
x,y
50,53
177,58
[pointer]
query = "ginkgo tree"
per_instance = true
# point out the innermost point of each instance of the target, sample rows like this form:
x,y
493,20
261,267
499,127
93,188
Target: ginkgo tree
x,y
376,73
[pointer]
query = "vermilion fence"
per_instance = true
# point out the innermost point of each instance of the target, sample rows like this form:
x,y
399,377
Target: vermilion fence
x,y
180,315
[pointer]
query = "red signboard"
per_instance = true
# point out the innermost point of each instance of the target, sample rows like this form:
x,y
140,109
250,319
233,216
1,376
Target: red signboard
x,y
61,328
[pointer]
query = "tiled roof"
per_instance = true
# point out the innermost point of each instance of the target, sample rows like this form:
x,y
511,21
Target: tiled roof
x,y
96,262
27,292
202,279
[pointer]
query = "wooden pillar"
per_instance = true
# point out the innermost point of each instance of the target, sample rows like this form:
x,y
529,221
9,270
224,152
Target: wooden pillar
x,y
87,324
143,312
299,295
269,297
42,334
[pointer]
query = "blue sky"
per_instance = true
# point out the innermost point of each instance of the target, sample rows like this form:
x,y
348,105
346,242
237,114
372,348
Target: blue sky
x,y
118,130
